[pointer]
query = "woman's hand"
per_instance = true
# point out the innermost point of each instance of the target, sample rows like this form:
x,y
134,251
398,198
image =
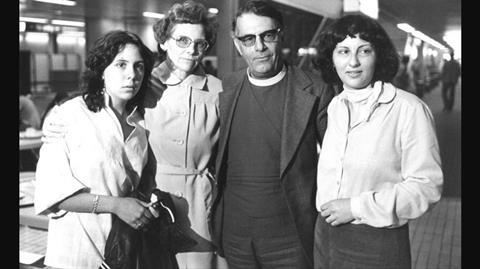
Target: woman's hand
x,y
337,211
134,212
53,128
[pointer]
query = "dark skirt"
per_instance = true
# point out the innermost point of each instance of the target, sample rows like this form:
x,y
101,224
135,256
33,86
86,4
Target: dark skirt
x,y
359,246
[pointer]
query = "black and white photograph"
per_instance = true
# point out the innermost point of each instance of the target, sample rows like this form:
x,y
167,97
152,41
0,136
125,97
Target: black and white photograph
x,y
240,134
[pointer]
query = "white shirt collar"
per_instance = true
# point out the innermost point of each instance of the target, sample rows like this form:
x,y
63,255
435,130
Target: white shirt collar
x,y
166,75
132,117
269,81
356,96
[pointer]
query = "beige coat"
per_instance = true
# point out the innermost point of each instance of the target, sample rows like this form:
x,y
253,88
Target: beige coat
x,y
182,121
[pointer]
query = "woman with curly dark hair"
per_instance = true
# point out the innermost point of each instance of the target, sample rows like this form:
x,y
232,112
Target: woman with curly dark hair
x,y
379,164
182,117
82,178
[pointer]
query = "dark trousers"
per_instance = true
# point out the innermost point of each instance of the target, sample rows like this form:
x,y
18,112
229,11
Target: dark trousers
x,y
351,246
254,243
448,95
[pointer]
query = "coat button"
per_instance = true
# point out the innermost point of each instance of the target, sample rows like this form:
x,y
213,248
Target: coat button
x,y
179,194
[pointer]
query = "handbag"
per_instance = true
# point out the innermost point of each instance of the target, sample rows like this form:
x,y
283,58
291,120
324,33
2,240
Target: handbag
x,y
153,247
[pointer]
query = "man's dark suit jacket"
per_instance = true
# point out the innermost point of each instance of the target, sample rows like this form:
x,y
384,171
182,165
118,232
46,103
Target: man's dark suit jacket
x,y
304,124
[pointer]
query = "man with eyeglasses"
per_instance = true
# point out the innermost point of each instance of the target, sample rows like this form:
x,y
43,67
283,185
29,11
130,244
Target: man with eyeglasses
x,y
272,115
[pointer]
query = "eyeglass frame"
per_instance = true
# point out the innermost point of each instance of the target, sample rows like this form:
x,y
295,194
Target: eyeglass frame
x,y
195,42
261,35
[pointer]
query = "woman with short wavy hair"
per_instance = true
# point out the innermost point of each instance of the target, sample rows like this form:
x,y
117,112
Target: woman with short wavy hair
x,y
379,166
182,116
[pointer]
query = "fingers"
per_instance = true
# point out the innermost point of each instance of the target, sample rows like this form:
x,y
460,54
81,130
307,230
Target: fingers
x,y
138,225
154,212
147,214
325,210
330,219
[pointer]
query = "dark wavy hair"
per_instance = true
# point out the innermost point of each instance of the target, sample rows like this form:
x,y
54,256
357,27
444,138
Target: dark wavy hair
x,y
259,8
187,12
100,56
368,29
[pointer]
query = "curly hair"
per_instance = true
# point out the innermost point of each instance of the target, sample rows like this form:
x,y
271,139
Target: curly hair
x,y
259,8
100,57
387,58
188,12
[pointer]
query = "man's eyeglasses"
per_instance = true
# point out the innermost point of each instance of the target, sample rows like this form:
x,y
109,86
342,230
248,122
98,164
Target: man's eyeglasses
x,y
267,36
185,41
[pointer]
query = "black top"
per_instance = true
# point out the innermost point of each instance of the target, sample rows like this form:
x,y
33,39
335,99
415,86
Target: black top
x,y
253,163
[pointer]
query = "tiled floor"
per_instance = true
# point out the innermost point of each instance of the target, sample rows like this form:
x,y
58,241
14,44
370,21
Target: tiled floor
x,y
436,237
32,240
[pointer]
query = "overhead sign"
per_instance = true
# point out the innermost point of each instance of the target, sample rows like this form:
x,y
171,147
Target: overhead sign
x,y
367,7
325,8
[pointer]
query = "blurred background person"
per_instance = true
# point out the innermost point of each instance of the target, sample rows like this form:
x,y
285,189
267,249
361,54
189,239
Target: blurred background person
x,y
419,77
402,78
29,125
57,100
379,166
83,176
28,114
450,74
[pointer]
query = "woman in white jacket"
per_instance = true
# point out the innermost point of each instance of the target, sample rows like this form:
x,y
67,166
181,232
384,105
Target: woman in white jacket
x,y
82,178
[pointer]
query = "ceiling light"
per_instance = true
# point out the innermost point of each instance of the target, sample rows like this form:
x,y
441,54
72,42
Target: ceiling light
x,y
66,40
69,23
153,15
411,30
59,2
22,26
454,39
47,28
428,39
405,27
36,37
36,20
213,10
73,33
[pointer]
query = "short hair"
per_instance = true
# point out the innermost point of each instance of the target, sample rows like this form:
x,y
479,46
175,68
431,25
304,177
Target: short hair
x,y
259,8
368,29
187,12
100,56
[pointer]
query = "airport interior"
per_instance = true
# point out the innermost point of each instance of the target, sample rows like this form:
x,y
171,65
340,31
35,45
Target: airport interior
x,y
55,36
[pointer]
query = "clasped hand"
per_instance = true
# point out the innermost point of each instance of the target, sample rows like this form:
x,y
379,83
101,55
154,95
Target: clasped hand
x,y
337,211
135,213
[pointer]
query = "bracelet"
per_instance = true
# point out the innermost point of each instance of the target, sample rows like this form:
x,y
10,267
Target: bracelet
x,y
95,204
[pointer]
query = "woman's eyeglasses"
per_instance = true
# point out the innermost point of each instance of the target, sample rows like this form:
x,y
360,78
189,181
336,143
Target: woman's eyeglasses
x,y
185,41
267,36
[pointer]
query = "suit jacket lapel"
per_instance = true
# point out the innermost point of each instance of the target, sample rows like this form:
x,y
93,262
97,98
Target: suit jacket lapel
x,y
298,107
227,103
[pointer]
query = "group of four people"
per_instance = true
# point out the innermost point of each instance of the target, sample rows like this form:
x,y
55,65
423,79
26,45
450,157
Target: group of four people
x,y
239,156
